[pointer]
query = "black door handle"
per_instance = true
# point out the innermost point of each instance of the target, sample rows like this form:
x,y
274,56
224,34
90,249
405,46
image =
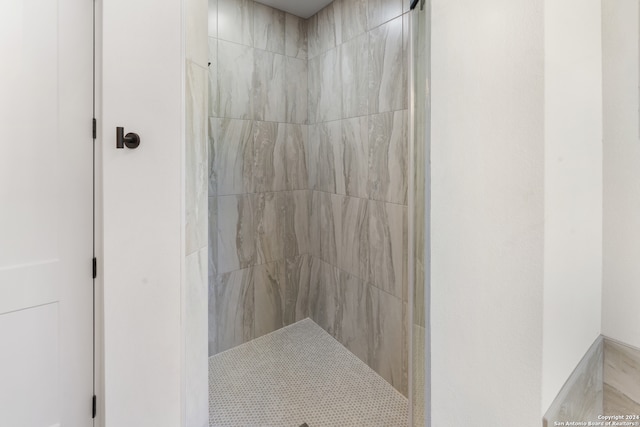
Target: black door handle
x,y
131,140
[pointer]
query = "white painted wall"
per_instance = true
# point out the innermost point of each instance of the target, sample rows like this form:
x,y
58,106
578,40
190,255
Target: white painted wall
x,y
621,268
487,212
572,189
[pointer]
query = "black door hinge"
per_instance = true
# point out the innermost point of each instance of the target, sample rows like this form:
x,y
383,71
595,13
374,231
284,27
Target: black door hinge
x,y
93,407
95,268
95,128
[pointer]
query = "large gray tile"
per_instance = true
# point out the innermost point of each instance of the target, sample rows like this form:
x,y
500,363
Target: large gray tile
x,y
330,166
295,38
213,238
214,93
196,31
232,310
355,66
269,226
296,223
295,158
387,239
314,224
268,28
388,163
329,230
232,142
269,86
387,79
325,307
355,137
212,10
235,21
385,337
325,87
354,18
329,26
353,326
298,277
269,297
381,11
236,233
197,159
269,143
313,37
353,244
312,149
235,77
622,369
296,92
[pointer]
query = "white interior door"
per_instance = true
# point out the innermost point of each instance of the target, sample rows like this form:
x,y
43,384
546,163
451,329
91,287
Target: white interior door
x,y
46,239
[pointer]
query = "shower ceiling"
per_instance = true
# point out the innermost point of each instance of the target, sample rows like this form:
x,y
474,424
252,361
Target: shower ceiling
x,y
301,8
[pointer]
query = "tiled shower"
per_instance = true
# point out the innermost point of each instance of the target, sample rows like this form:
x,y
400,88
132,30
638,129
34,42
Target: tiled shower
x,y
308,176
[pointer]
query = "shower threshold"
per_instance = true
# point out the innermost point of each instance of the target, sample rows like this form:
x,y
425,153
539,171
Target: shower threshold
x,y
299,375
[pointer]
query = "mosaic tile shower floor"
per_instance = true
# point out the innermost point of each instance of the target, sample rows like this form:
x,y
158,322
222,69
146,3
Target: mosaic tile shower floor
x,y
299,374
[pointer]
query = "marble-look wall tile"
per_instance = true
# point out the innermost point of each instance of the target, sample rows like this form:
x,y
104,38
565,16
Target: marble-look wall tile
x,y
387,239
330,166
231,310
329,220
212,10
214,93
313,38
406,35
353,243
295,38
235,21
354,18
387,79
315,232
232,142
381,11
296,223
268,28
236,233
296,297
197,160
329,26
388,162
213,237
324,304
355,66
196,338
353,321
296,92
312,150
325,87
269,142
269,297
295,158
385,337
269,86
355,137
269,226
235,75
622,369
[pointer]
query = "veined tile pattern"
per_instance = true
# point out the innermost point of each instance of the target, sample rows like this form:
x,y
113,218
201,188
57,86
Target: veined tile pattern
x,y
330,164
381,11
235,74
387,240
236,233
296,96
231,145
295,37
387,77
355,137
325,87
272,380
214,93
235,21
355,65
269,86
268,28
269,147
269,226
354,18
296,223
388,162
